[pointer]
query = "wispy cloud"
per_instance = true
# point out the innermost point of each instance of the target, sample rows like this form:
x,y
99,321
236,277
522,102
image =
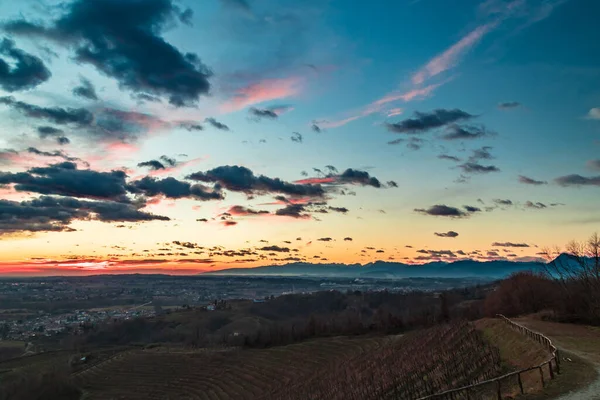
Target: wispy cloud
x,y
453,55
594,113
379,106
495,11
262,91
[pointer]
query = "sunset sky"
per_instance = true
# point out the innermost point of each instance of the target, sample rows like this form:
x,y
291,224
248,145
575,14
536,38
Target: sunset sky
x,y
184,136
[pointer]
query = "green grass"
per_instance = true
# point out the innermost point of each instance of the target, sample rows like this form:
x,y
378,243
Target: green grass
x,y
12,344
517,352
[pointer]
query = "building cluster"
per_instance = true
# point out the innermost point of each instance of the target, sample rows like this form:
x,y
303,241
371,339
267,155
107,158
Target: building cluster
x,y
44,324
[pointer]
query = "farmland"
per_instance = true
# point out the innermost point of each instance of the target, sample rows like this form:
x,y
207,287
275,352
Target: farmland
x,y
338,367
219,374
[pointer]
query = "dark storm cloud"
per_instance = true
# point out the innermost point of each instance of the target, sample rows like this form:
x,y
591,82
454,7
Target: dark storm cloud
x,y
241,211
216,124
115,125
577,180
342,210
349,176
259,113
503,202
441,210
296,137
56,153
481,154
152,164
62,140
508,105
424,121
355,176
415,143
476,168
535,205
172,188
347,239
122,39
438,253
509,244
293,210
169,161
24,71
57,115
48,213
449,234
23,217
275,248
190,126
66,180
395,141
325,239
45,131
456,132
530,181
145,97
85,90
315,127
447,157
242,179
472,209
392,184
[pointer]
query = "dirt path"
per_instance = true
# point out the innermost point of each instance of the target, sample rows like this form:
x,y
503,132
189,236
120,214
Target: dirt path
x,y
575,341
592,392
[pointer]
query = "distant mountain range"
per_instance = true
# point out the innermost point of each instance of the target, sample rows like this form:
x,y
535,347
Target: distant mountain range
x,y
389,270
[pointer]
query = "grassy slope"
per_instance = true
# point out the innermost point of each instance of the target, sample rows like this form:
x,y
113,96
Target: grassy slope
x,y
517,352
521,352
580,354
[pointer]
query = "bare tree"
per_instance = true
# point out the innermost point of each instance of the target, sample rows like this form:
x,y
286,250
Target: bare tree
x,y
577,270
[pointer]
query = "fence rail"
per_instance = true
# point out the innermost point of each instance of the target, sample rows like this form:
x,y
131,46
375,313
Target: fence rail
x,y
464,392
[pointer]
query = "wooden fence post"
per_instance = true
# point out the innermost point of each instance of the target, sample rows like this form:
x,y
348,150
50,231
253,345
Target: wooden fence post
x,y
520,383
542,376
499,390
550,369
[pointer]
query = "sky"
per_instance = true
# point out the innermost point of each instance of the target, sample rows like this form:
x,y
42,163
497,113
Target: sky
x,y
178,137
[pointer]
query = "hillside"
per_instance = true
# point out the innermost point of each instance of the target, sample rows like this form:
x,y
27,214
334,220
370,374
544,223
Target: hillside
x,y
334,368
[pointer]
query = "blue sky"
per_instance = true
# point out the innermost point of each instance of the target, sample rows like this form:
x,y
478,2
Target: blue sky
x,y
506,91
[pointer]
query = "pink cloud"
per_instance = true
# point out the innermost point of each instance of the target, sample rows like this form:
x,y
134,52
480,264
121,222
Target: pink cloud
x,y
395,111
337,124
451,57
380,105
281,109
292,200
26,159
121,148
313,181
264,90
9,193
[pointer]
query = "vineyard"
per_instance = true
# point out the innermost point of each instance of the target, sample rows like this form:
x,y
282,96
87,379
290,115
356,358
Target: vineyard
x,y
219,374
394,367
424,363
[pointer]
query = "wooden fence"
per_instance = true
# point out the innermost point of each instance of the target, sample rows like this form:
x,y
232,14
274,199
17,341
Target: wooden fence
x,y
508,380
